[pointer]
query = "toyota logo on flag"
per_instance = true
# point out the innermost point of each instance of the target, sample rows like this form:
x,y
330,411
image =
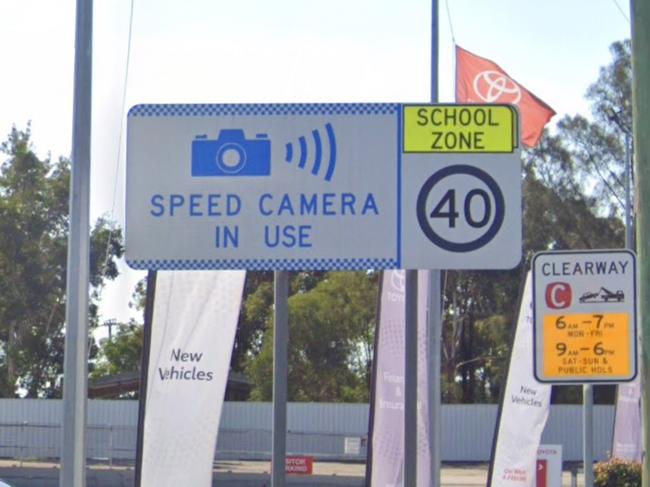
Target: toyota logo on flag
x,y
480,80
493,87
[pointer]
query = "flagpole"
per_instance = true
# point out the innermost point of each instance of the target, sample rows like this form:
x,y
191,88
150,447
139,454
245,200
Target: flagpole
x,y
434,298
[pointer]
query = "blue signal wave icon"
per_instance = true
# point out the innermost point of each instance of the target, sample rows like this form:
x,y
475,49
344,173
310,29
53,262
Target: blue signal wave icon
x,y
318,152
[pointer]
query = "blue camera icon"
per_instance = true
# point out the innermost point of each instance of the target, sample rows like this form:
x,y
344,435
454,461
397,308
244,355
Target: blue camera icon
x,y
231,154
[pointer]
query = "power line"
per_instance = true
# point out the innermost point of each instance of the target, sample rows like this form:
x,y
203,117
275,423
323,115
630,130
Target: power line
x,y
451,26
621,10
119,146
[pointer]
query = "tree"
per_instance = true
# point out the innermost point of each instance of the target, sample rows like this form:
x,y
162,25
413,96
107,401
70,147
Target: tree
x,y
330,340
122,353
257,305
573,193
33,253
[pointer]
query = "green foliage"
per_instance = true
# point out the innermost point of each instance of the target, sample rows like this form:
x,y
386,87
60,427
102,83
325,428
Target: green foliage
x,y
617,473
479,311
121,353
33,253
330,339
583,163
256,309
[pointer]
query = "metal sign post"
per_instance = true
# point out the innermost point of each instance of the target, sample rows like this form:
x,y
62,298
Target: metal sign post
x,y
75,368
435,378
411,379
588,434
280,377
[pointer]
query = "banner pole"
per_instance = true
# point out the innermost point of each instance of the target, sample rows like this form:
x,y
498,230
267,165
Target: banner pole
x,y
280,377
144,371
373,384
75,364
411,379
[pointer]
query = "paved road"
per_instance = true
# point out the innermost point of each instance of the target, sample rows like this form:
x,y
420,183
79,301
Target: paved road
x,y
239,474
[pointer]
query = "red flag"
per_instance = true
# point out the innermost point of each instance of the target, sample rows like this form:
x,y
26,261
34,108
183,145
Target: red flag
x,y
479,80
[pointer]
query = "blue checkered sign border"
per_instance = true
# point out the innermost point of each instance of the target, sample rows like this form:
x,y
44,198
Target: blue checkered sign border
x,y
266,264
254,109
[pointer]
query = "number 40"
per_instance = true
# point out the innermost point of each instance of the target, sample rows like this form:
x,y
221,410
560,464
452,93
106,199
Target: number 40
x,y
446,208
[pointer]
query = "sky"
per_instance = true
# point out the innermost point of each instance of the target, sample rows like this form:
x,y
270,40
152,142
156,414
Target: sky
x,y
254,51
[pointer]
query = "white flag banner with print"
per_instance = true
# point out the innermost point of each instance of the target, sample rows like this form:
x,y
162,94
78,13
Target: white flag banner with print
x,y
524,409
195,315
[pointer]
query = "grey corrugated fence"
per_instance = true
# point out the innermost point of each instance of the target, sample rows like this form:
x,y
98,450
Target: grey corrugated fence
x,y
30,428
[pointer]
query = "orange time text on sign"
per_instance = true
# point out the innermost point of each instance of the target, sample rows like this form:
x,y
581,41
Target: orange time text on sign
x,y
586,345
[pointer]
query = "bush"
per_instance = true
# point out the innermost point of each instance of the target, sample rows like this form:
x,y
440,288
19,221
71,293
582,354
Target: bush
x,y
617,473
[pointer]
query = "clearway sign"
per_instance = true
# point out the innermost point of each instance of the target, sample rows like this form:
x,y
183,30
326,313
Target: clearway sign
x,y
322,186
584,316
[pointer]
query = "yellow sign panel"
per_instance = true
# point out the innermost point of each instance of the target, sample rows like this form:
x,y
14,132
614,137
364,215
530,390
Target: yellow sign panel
x,y
586,345
460,128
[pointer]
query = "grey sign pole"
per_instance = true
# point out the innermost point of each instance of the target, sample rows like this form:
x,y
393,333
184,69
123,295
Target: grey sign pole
x,y
75,368
411,379
434,377
629,221
280,380
588,434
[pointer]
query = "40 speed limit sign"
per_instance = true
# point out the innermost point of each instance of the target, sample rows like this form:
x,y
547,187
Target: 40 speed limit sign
x,y
462,166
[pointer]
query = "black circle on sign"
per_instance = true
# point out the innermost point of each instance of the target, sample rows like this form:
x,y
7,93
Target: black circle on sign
x,y
499,208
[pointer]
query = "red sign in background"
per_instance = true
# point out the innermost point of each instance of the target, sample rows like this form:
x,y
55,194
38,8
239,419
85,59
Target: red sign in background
x,y
302,465
540,478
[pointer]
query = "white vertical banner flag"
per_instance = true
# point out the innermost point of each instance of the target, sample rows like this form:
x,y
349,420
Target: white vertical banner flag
x,y
628,422
195,316
386,468
524,409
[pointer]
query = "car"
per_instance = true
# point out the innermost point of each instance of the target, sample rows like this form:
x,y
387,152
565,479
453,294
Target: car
x,y
4,484
588,296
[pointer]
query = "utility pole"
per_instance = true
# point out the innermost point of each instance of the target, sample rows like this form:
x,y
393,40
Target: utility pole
x,y
640,13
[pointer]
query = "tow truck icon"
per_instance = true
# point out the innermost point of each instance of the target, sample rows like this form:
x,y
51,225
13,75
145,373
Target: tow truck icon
x,y
603,295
